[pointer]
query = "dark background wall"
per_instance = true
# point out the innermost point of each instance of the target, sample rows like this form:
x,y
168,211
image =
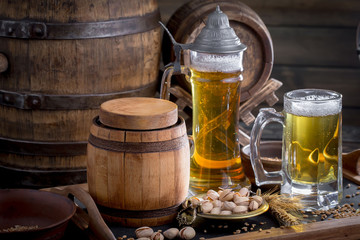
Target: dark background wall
x,y
314,45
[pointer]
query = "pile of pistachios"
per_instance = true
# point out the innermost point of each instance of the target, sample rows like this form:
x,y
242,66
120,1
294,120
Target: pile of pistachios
x,y
147,233
227,202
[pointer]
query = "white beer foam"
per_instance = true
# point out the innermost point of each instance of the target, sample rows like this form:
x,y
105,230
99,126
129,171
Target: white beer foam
x,y
216,63
313,106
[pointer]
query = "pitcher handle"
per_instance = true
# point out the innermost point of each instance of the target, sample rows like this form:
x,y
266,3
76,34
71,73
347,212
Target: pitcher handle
x,y
166,79
263,177
166,83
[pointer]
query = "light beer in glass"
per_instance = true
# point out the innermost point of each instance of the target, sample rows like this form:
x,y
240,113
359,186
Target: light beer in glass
x,y
216,98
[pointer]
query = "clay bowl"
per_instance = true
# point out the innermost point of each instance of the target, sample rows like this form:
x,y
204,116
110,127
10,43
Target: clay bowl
x,y
25,207
270,152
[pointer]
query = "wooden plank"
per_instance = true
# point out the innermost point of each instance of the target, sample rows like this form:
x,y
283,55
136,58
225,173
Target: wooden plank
x,y
346,228
296,12
320,46
343,80
310,13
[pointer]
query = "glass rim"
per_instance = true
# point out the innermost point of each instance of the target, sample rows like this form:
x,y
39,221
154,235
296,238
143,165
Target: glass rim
x,y
335,96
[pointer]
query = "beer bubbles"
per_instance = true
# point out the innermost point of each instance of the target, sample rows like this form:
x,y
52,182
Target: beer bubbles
x,y
226,63
312,105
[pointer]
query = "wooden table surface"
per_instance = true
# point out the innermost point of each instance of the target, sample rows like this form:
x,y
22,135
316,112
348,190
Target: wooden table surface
x,y
346,228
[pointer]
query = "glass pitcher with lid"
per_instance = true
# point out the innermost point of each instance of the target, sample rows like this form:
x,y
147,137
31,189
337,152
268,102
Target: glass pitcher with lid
x,y
214,69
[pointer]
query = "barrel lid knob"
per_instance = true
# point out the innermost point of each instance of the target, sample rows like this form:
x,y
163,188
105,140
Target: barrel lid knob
x,y
138,113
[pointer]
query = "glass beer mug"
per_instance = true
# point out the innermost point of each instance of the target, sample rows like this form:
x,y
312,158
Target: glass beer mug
x,y
311,150
214,70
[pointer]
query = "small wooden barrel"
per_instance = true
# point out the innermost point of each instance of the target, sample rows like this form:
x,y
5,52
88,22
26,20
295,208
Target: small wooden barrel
x,y
138,161
62,60
187,22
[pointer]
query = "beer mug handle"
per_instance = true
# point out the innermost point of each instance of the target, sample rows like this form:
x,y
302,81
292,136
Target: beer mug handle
x,y
263,177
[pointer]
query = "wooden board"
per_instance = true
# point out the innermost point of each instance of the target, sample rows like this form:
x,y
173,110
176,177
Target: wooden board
x,y
296,12
315,46
346,81
303,12
346,228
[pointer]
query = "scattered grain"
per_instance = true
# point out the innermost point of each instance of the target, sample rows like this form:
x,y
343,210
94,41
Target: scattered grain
x,y
19,228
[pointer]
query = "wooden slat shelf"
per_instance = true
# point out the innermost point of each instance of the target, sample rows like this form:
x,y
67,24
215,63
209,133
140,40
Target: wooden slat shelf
x,y
346,228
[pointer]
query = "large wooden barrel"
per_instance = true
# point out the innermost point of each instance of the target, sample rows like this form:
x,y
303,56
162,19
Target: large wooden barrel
x,y
62,60
187,22
138,161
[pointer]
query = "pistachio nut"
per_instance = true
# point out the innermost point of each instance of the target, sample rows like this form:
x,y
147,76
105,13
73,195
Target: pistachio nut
x,y
244,201
195,201
258,199
228,205
144,232
244,192
171,233
225,212
206,206
226,195
253,205
240,209
212,195
215,210
217,203
157,236
187,233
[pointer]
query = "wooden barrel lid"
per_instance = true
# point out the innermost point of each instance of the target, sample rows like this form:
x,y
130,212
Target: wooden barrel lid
x,y
138,113
186,23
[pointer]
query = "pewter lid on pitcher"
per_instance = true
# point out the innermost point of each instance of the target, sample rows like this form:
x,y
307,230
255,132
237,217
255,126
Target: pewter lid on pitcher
x,y
217,36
